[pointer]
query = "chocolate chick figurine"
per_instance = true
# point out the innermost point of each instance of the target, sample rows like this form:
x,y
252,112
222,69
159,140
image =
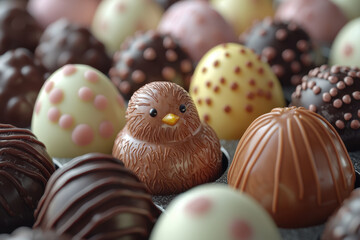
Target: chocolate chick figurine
x,y
165,143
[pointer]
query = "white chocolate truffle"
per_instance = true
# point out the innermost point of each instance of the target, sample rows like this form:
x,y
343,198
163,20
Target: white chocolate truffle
x,y
213,212
78,110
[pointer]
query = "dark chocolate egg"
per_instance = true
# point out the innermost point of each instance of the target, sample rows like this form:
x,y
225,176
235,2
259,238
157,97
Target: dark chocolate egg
x,y
334,93
64,42
95,197
285,46
25,168
21,79
293,162
344,224
18,29
150,57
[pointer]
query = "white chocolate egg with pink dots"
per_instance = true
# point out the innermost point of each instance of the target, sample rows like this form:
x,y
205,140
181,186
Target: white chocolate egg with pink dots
x,y
78,110
231,87
213,212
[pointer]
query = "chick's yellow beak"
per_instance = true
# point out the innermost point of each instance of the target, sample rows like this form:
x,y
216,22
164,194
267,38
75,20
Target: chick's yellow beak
x,y
170,119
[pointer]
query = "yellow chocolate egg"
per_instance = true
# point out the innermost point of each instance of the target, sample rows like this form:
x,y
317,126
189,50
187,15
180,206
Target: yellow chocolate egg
x,y
231,87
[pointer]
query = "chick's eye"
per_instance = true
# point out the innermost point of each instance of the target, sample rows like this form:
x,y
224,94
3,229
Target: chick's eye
x,y
153,112
182,108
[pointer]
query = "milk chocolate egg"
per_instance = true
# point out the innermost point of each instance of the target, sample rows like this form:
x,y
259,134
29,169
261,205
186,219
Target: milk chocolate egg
x,y
345,50
78,110
242,14
197,26
115,20
293,162
334,93
231,86
213,212
149,57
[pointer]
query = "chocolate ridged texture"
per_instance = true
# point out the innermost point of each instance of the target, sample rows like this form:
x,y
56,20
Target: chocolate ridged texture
x,y
95,197
149,57
25,168
64,43
285,46
24,233
18,29
165,143
344,224
21,79
293,162
334,93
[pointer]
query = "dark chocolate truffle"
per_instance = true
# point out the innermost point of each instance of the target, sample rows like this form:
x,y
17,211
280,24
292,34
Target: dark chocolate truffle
x,y
344,224
25,168
150,57
334,93
24,233
165,143
285,46
95,197
64,43
21,79
18,29
293,162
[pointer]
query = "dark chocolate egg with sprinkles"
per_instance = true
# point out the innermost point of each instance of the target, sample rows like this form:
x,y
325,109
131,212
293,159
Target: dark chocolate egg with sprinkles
x,y
285,46
148,57
25,168
95,197
344,224
64,42
21,78
334,93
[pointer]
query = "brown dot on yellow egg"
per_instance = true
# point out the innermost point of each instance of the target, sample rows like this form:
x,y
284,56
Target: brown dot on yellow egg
x,y
208,83
206,118
248,108
252,82
249,64
227,109
208,101
250,95
216,63
237,70
204,70
222,80
234,86
216,89
199,101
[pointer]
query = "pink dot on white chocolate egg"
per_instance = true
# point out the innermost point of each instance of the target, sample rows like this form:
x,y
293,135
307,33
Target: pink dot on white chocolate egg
x,y
82,135
91,76
68,70
56,96
53,114
66,121
348,50
100,102
85,94
106,129
48,86
241,230
37,107
198,206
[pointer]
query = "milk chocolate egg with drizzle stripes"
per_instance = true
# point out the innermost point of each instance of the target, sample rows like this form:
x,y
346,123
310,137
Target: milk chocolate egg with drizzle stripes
x,y
293,162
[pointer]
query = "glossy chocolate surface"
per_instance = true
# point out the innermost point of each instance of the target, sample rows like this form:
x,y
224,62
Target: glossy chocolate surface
x,y
21,79
18,29
64,43
285,46
95,197
168,157
294,163
334,93
25,168
149,57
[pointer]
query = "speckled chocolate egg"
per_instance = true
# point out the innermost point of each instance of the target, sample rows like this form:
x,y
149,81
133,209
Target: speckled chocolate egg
x,y
78,110
148,57
285,46
21,78
231,86
242,14
293,162
346,47
213,212
115,20
321,19
76,11
64,43
334,93
197,26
